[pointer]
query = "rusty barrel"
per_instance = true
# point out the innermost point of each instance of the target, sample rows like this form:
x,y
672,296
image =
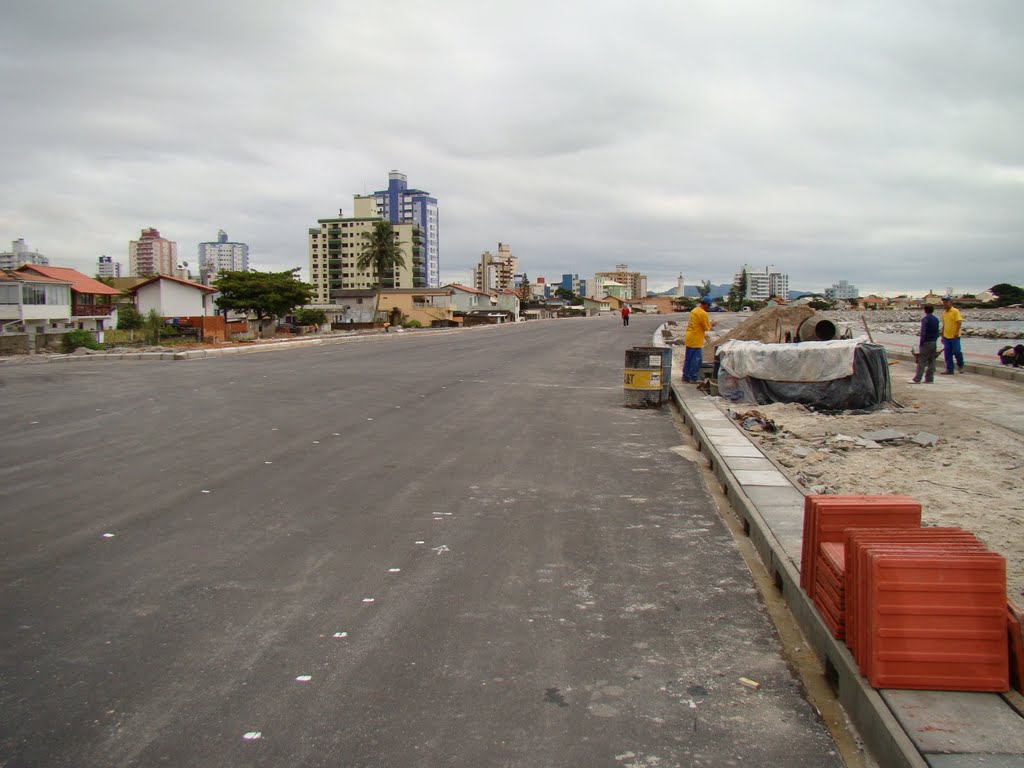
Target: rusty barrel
x,y
647,377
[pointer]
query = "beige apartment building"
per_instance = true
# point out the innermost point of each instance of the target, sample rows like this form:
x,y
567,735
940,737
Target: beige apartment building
x,y
335,246
635,284
496,273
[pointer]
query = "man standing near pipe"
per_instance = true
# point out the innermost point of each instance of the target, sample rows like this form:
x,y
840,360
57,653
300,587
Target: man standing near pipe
x,y
951,324
699,325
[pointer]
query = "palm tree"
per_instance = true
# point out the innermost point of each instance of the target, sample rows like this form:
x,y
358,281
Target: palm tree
x,y
382,252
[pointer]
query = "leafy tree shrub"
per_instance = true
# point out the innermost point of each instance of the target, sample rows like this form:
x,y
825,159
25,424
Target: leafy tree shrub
x,y
154,324
74,339
129,319
307,316
413,324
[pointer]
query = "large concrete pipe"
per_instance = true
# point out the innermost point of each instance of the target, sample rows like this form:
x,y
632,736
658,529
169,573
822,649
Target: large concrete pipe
x,y
816,328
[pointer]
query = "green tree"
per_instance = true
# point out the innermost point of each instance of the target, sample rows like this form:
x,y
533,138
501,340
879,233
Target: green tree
x,y
310,316
1006,294
152,326
704,288
266,294
565,293
382,255
524,289
129,319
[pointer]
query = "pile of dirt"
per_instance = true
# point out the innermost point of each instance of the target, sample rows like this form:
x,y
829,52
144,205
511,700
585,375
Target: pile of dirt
x,y
770,325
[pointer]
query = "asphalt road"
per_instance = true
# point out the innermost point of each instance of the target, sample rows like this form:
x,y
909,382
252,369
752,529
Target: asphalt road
x,y
426,549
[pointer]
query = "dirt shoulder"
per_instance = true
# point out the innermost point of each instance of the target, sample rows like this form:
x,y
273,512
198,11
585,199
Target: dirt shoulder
x,y
970,477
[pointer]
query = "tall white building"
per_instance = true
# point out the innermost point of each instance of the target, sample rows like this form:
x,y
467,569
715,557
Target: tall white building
x,y
842,290
401,205
222,255
152,255
20,254
107,267
763,284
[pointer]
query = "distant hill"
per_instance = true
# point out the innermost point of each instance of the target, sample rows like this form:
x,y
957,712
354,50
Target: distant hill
x,y
716,291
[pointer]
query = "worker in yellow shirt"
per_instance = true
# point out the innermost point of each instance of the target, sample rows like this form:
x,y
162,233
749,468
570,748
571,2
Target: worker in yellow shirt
x,y
952,321
699,325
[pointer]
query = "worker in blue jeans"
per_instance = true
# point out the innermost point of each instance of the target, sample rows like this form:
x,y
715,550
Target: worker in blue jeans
x,y
952,322
698,326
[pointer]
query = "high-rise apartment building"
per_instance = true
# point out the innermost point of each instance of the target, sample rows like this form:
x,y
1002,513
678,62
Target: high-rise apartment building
x,y
336,244
496,273
152,255
635,283
763,284
842,290
401,205
222,255
20,254
107,267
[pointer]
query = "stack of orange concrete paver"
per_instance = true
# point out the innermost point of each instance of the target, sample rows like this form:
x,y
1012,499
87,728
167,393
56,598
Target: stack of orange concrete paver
x,y
919,607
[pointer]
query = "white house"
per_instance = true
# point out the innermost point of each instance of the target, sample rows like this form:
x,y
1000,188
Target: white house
x,y
174,297
32,303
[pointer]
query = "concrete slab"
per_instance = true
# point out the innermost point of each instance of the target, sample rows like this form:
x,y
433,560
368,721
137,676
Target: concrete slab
x,y
747,450
761,477
749,463
718,431
768,496
958,723
728,440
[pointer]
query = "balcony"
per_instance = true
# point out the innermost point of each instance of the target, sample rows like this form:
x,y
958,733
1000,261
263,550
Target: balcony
x,y
90,310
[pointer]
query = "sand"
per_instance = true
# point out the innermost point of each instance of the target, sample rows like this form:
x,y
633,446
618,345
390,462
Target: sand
x,y
973,477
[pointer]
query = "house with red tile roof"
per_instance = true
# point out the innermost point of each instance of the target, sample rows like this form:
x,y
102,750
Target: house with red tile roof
x,y
92,302
174,297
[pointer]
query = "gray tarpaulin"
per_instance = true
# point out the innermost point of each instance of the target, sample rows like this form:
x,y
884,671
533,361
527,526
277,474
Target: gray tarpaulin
x,y
807,361
835,375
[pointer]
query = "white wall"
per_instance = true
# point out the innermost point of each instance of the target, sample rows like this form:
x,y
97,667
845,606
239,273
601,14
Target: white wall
x,y
172,299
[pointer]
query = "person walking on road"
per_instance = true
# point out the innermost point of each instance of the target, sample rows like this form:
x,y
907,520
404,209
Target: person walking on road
x,y
699,325
952,321
929,340
625,315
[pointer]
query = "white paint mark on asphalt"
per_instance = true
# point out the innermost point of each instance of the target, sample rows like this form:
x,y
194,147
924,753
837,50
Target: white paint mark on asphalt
x,y
420,541
340,635
204,491
273,429
443,548
398,406
303,678
108,535
252,735
33,422
336,434
369,418
368,599
394,570
268,462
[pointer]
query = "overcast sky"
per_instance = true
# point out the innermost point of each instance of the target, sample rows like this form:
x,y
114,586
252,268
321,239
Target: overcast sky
x,y
880,142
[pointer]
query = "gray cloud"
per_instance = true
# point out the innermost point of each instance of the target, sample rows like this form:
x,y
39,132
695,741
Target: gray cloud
x,y
874,142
